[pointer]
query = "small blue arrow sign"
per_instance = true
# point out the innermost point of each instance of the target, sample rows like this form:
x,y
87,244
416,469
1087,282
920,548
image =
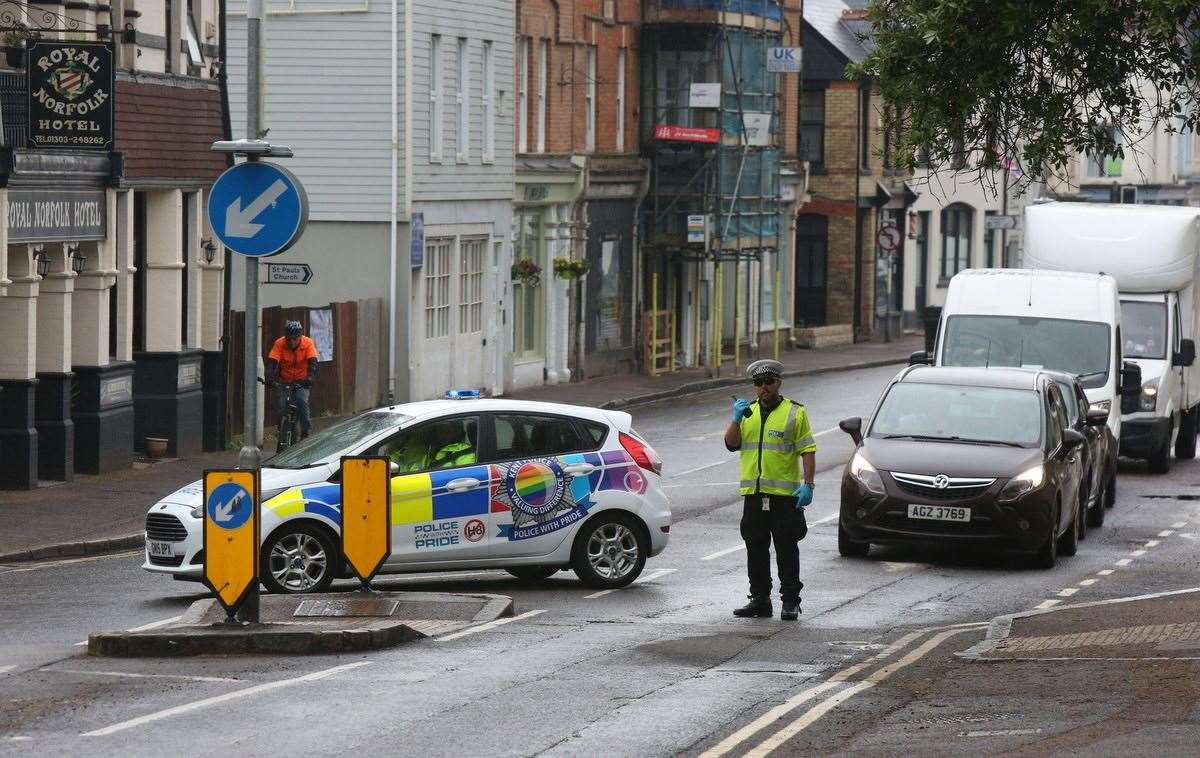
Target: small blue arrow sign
x,y
229,506
257,209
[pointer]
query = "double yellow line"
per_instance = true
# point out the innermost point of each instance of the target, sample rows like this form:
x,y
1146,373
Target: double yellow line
x,y
842,694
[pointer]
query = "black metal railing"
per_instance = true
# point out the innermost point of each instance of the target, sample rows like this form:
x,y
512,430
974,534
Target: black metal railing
x,y
14,107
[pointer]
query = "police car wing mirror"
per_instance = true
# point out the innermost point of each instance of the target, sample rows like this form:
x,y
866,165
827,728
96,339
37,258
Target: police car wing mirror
x,y
919,358
394,468
853,427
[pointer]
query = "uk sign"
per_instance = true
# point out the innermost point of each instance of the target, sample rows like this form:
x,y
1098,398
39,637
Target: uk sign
x,y
257,209
231,534
783,60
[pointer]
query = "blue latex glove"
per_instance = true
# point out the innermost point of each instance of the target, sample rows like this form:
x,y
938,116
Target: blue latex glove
x,y
739,409
803,495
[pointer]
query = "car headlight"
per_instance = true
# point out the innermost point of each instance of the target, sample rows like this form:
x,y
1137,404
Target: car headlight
x,y
1149,399
198,511
865,474
1022,484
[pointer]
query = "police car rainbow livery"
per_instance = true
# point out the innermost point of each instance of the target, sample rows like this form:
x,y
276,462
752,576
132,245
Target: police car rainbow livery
x,y
528,487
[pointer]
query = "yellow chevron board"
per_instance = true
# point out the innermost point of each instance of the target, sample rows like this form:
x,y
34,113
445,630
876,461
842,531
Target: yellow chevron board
x,y
231,534
412,499
366,533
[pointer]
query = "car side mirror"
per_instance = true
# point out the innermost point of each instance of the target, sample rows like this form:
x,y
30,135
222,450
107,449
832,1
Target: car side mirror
x,y
1186,355
1073,438
919,358
1130,387
394,468
853,427
1097,417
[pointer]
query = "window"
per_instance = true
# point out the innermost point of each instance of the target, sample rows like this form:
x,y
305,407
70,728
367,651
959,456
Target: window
x,y
957,221
958,160
192,39
590,95
437,287
435,98
543,63
597,432
462,101
864,128
489,104
470,284
1101,166
523,98
536,437
1055,421
621,100
1144,325
439,445
812,129
989,240
527,299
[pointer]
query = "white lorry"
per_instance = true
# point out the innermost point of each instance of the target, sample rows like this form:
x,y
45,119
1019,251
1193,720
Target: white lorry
x,y
1153,253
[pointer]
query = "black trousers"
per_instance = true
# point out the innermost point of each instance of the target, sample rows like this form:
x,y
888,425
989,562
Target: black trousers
x,y
784,524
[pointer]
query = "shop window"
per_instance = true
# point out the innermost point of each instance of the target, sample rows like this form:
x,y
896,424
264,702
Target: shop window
x,y
470,284
528,302
438,253
957,223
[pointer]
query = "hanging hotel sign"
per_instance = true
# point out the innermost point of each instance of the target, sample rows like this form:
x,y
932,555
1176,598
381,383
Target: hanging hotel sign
x,y
46,215
70,95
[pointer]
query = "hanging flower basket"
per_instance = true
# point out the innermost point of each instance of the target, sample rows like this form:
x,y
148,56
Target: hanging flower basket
x,y
569,268
527,272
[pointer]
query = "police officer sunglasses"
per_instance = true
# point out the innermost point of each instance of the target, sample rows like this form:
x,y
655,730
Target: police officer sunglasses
x,y
760,381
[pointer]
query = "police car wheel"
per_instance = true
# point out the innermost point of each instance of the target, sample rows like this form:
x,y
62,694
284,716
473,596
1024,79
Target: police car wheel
x,y
533,573
298,558
609,552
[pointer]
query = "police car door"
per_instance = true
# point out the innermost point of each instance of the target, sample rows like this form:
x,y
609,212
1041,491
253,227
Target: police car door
x,y
542,482
440,511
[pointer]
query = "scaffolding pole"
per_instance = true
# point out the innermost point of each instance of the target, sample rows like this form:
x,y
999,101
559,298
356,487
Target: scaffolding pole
x,y
775,308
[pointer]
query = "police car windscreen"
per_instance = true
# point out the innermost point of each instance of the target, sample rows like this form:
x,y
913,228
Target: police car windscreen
x,y
335,439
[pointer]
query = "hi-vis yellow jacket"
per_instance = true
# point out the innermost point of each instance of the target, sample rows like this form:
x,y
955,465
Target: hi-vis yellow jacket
x,y
771,453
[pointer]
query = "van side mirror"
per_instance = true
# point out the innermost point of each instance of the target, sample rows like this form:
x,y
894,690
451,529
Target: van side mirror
x,y
394,468
1186,355
919,358
1130,387
1097,416
853,427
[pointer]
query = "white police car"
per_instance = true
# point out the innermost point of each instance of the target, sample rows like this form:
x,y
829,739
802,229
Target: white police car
x,y
528,487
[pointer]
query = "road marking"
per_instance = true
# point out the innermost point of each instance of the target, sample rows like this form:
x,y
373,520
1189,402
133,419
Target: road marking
x,y
639,580
789,705
1138,553
726,551
999,732
1068,592
217,700
6,669
824,520
1047,604
705,484
702,468
128,675
143,627
1124,561
19,738
488,625
1104,572
55,564
1088,582
816,712
1179,525
1165,533
1152,543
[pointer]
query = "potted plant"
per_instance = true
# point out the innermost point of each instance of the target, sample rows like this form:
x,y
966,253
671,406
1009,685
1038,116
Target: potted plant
x,y
527,272
13,43
569,268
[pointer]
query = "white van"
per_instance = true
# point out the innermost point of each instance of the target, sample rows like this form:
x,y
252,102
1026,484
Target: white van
x,y
1153,252
1041,319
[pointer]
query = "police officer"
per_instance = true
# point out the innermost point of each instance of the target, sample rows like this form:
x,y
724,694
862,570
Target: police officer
x,y
775,438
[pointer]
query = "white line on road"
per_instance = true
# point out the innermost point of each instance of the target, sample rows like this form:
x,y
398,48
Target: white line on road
x,y
816,712
824,520
1165,533
217,700
1152,543
726,551
1068,592
128,675
1179,525
1047,604
1104,572
702,468
1138,553
143,627
1087,582
1124,561
54,564
489,625
999,732
6,669
648,577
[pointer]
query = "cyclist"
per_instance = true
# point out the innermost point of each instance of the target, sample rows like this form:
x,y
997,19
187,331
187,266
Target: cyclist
x,y
292,360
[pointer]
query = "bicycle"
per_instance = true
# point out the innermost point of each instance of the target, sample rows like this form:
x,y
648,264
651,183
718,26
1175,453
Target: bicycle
x,y
288,429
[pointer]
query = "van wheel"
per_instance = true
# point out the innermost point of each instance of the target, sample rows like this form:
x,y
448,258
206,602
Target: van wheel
x,y
1185,443
1068,543
1160,461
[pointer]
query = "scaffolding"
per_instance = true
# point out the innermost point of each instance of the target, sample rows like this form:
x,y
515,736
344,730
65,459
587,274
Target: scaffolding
x,y
714,196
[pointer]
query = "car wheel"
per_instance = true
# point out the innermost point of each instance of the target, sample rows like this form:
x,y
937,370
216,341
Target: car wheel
x,y
1110,491
1160,460
299,558
1047,554
532,573
1095,514
849,548
1185,443
1068,543
609,552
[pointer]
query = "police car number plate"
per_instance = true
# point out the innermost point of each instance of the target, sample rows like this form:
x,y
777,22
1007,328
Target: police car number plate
x,y
159,549
939,513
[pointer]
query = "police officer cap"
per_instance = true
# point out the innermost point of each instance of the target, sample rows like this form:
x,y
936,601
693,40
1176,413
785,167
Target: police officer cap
x,y
764,368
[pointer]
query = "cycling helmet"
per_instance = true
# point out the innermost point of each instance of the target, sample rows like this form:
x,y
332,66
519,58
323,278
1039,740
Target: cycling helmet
x,y
293,329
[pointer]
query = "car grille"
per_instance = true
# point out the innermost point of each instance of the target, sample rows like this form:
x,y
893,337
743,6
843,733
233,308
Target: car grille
x,y
163,527
174,560
957,488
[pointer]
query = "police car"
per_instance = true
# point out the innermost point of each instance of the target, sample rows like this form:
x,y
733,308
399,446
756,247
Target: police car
x,y
527,487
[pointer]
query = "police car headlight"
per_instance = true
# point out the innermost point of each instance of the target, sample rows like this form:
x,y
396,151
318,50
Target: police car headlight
x,y
865,474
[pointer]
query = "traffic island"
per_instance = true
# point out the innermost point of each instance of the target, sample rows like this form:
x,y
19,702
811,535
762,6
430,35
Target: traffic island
x,y
308,624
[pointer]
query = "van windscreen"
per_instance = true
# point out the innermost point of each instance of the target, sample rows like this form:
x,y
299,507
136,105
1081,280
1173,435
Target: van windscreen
x,y
1077,347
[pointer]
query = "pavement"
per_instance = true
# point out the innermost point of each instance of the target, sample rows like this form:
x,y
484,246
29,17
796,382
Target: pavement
x,y
99,514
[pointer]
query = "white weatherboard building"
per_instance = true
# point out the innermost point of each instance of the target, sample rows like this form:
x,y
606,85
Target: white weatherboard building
x,y
332,96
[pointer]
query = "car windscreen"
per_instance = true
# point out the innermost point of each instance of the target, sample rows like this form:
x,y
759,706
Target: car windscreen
x,y
954,412
1076,347
1144,329
335,439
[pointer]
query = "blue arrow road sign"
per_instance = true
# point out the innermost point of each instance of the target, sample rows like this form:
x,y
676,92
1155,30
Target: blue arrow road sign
x,y
257,209
229,506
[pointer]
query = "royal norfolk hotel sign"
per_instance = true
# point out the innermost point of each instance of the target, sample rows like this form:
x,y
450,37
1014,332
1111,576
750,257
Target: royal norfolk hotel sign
x,y
70,95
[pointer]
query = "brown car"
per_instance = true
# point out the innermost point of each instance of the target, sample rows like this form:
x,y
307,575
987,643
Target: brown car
x,y
967,456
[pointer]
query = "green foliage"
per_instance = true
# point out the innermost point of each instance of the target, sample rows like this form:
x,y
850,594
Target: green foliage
x,y
1037,80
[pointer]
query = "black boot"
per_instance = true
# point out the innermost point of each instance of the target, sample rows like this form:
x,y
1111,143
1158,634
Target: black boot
x,y
791,610
758,607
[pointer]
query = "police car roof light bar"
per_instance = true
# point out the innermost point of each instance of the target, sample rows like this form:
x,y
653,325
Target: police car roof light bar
x,y
463,394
